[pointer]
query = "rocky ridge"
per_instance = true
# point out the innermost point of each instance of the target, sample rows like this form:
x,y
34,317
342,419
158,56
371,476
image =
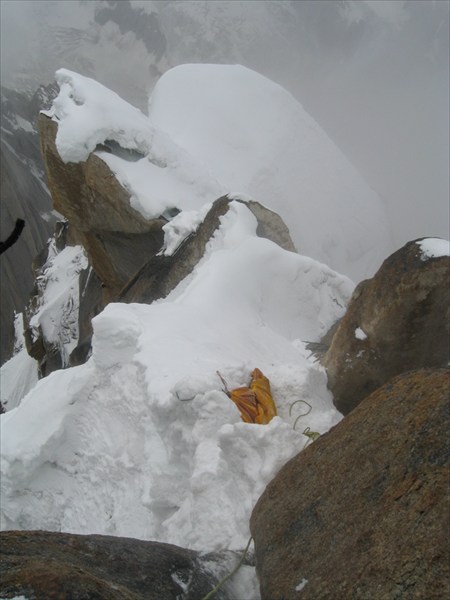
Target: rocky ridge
x,y
397,433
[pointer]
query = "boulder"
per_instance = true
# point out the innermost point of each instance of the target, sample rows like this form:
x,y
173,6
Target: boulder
x,y
161,274
362,512
395,322
117,238
48,566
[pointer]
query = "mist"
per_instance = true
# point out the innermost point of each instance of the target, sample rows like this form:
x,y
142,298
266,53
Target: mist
x,y
373,74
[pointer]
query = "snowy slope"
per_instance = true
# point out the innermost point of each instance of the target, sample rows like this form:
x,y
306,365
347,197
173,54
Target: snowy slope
x,y
141,440
215,129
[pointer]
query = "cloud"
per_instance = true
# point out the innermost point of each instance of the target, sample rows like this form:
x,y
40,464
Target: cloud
x,y
395,14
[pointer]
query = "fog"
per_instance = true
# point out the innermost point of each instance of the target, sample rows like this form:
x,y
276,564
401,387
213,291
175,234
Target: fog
x,y
374,74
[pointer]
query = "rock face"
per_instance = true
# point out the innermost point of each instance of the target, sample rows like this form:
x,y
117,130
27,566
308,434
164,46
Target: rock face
x,y
395,322
117,239
91,304
363,512
49,566
23,195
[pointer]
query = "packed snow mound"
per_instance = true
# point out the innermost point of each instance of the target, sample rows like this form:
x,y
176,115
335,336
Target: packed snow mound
x,y
141,441
217,129
257,139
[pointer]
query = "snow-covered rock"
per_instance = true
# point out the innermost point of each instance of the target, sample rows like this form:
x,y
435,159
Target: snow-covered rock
x,y
216,129
52,323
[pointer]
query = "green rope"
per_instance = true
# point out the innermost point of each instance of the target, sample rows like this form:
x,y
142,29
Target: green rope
x,y
302,415
227,577
311,435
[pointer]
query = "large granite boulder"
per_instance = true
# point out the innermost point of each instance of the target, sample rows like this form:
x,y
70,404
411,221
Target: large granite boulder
x,y
397,321
48,566
117,238
362,513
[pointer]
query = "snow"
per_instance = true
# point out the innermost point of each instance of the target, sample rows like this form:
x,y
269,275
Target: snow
x,y
258,140
17,377
88,114
57,314
141,441
181,226
301,585
434,248
157,173
218,129
360,334
20,373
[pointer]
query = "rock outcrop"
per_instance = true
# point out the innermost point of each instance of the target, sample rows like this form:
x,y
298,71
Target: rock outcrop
x,y
49,566
363,512
397,321
117,238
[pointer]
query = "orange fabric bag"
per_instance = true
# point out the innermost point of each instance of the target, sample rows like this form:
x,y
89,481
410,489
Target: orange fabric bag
x,y
255,403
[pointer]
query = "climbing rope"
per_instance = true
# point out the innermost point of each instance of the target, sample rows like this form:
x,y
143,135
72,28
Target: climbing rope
x,y
227,577
311,435
303,414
